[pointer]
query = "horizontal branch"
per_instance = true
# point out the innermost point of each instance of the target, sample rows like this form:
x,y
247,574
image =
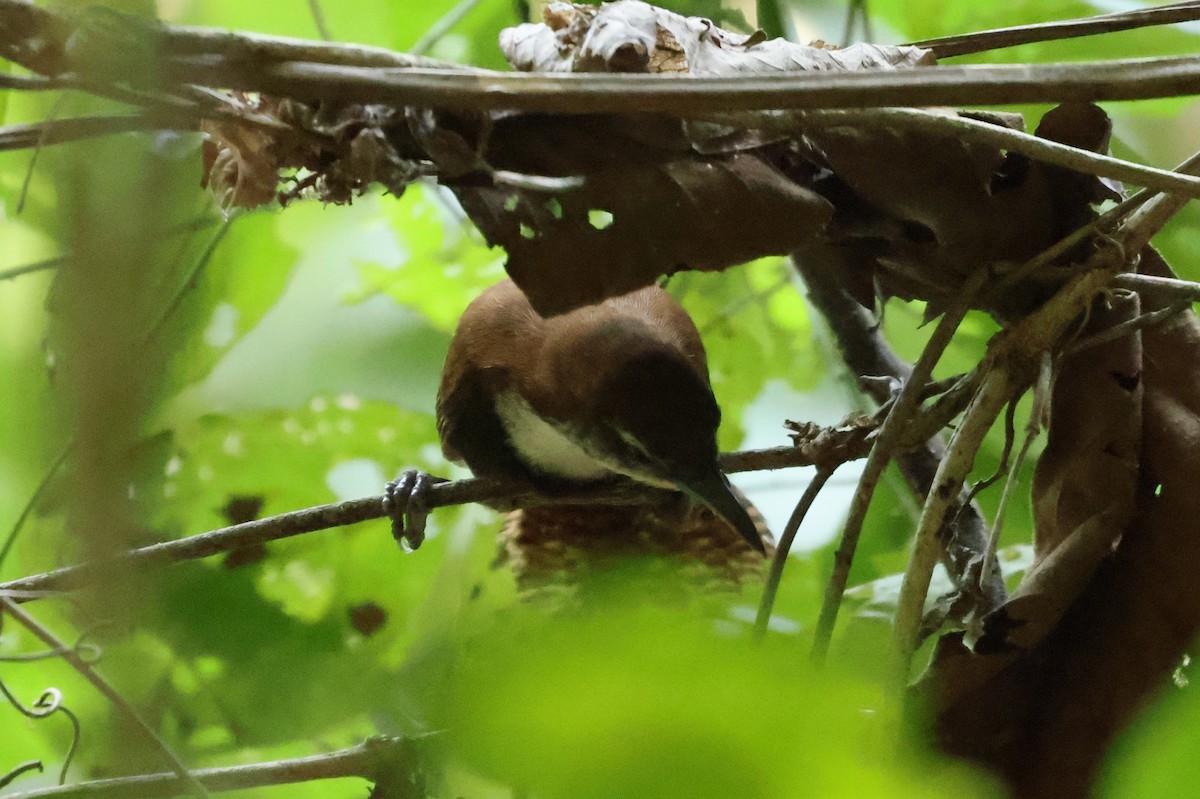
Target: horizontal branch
x,y
324,517
688,96
356,73
259,48
60,131
367,760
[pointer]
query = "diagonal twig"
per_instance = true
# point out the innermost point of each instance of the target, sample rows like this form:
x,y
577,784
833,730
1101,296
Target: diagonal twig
x,y
27,269
318,15
784,547
1140,322
889,436
33,500
444,25
1037,415
1014,36
85,669
1014,357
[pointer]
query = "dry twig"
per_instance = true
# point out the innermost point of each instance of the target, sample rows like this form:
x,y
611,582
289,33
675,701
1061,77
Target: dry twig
x,y
323,517
894,429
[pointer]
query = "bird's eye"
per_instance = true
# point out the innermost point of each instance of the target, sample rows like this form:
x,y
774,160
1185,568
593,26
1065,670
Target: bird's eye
x,y
637,446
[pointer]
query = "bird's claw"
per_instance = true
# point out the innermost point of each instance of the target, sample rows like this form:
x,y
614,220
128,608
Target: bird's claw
x,y
405,505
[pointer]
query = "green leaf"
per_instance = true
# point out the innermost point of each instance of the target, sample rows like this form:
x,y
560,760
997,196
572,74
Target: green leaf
x,y
445,265
641,701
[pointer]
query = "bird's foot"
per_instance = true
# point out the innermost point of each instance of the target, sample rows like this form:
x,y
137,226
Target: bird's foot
x,y
405,504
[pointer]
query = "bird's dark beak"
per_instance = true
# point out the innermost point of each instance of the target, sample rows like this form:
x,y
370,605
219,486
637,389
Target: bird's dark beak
x,y
715,492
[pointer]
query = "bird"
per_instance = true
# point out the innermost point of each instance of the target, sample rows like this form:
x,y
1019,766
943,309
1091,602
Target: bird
x,y
618,390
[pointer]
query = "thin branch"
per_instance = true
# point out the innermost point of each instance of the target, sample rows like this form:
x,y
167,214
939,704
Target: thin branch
x,y
886,443
23,137
257,48
854,12
33,500
1143,223
1010,435
85,669
168,103
29,765
54,28
318,15
1037,414
784,547
51,118
355,73
367,760
443,26
34,83
999,38
193,276
27,269
1140,322
323,517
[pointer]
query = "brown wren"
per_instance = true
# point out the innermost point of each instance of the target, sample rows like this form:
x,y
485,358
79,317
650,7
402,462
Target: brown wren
x,y
617,388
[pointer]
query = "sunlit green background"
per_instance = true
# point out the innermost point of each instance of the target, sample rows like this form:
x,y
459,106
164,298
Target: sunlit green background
x,y
291,358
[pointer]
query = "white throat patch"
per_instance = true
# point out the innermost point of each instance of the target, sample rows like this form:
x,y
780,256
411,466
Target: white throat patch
x,y
542,445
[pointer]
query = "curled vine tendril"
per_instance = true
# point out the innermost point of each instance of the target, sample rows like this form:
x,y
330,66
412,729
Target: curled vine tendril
x,y
30,765
48,703
85,650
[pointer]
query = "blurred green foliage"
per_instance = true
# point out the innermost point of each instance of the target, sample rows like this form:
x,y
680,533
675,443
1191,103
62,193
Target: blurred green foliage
x,y
291,359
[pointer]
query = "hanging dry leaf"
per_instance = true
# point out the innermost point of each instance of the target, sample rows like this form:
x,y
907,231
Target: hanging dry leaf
x,y
1044,713
631,223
